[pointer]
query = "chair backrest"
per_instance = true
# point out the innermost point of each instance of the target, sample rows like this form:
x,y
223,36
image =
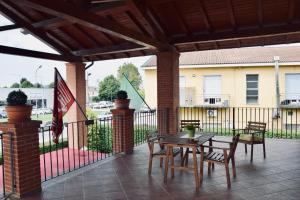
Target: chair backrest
x,y
257,126
185,122
233,146
151,137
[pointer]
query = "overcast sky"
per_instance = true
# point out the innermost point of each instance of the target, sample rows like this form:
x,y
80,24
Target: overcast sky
x,y
12,68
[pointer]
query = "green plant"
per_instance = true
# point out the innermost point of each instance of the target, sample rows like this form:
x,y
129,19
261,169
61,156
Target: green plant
x,y
190,127
122,94
16,97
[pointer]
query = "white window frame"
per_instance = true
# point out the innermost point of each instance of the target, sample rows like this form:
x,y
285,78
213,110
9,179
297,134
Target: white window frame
x,y
254,103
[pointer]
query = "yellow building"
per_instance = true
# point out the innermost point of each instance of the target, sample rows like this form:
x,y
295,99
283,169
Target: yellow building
x,y
211,81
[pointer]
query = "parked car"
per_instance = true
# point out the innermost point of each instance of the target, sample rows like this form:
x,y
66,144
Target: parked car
x,y
105,114
46,126
3,114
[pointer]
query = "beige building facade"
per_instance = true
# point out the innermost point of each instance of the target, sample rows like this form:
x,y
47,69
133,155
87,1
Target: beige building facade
x,y
225,89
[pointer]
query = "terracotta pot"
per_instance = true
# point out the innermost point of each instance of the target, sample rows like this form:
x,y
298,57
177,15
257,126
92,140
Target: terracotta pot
x,y
122,103
18,113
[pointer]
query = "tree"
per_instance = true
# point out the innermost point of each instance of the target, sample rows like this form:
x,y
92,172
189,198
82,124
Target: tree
x,y
26,84
15,85
132,73
108,88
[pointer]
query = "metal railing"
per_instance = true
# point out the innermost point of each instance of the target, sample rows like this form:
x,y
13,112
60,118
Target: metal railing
x,y
144,122
281,122
74,150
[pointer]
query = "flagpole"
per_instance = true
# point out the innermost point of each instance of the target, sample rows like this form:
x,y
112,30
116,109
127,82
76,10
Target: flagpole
x,y
81,110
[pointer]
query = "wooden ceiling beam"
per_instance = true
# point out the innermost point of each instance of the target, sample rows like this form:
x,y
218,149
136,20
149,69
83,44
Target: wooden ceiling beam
x,y
37,33
35,54
77,15
9,27
125,47
238,35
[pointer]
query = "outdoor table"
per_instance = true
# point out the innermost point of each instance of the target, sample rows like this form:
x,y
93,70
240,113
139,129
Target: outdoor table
x,y
182,140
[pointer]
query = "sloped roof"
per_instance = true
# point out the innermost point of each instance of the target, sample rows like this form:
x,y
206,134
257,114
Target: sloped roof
x,y
236,56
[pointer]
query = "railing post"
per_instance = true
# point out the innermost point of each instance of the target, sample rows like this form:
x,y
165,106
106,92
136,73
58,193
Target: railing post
x,y
21,157
233,120
123,130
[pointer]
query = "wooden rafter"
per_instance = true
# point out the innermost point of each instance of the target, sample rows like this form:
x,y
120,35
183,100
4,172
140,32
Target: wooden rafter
x,y
9,27
140,9
237,35
125,47
37,33
260,13
291,10
231,14
75,14
204,15
35,54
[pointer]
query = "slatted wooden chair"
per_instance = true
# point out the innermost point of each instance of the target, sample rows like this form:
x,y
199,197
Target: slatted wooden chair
x,y
253,133
152,139
185,122
223,158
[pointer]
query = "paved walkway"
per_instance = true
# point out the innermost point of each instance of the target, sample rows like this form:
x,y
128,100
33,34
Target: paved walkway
x,y
125,177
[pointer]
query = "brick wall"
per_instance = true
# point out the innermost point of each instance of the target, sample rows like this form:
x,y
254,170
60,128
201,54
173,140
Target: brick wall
x,y
26,156
167,91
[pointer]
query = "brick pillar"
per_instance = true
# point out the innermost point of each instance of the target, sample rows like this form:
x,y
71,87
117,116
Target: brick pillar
x,y
123,131
167,91
26,156
77,132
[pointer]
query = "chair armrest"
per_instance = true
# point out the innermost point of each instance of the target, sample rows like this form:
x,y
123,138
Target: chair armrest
x,y
212,147
221,141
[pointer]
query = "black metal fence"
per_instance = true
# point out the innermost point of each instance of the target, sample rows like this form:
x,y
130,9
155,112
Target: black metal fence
x,y
7,174
281,122
85,142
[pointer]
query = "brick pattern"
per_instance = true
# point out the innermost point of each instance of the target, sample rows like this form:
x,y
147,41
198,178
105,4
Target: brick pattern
x,y
77,84
123,131
167,91
26,156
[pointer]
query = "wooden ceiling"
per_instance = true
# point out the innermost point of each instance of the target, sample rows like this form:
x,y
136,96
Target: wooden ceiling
x,y
91,30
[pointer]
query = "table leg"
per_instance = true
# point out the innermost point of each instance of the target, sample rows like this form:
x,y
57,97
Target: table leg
x,y
172,162
166,164
201,165
195,168
210,150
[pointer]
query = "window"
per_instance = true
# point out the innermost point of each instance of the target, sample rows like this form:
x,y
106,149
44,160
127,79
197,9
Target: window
x,y
252,88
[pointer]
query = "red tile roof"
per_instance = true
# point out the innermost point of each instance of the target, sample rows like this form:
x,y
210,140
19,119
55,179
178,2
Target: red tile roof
x,y
236,56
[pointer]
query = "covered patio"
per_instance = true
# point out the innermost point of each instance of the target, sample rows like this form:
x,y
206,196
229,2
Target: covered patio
x,y
82,31
126,177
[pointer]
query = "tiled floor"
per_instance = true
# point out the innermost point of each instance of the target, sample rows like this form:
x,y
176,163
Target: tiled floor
x,y
276,177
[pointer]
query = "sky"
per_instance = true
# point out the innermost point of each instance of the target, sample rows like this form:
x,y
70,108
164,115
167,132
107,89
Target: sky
x,y
13,68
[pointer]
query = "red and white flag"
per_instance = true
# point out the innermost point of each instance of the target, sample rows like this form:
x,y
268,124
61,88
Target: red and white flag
x,y
63,100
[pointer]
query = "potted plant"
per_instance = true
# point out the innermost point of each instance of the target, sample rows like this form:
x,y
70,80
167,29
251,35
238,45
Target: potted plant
x,y
190,129
17,108
121,101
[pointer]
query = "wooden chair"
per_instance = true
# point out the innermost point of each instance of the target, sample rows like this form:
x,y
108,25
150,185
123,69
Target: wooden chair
x,y
253,133
196,124
213,157
152,139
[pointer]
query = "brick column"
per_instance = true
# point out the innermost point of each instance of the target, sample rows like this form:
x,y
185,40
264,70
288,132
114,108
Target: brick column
x,y
77,132
167,91
123,131
26,156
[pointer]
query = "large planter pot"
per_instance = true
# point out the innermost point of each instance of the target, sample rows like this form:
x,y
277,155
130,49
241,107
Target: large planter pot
x,y
191,133
18,113
122,103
